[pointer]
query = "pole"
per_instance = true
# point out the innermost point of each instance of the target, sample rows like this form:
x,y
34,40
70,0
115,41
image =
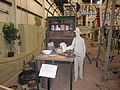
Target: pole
x,y
110,35
71,75
48,83
101,31
101,13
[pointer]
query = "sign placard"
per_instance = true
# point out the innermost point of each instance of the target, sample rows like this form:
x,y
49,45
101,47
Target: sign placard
x,y
48,70
88,8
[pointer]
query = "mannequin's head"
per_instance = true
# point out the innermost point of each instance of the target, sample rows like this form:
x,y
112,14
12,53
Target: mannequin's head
x,y
77,31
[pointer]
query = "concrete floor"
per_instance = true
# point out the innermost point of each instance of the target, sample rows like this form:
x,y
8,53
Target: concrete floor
x,y
92,76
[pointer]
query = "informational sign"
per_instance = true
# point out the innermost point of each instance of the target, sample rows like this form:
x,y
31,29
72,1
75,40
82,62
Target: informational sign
x,y
48,70
88,8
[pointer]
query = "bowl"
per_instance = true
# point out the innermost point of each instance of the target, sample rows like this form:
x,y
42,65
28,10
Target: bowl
x,y
59,50
47,51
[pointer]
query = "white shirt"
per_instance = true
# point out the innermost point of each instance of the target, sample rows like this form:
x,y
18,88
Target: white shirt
x,y
79,46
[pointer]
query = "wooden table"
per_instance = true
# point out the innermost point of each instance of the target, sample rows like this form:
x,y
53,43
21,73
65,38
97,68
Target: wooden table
x,y
58,58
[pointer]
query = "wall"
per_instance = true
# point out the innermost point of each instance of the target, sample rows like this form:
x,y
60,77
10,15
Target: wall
x,y
32,44
22,13
3,43
31,36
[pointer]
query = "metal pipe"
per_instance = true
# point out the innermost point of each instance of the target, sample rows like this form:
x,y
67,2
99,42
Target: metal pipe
x,y
110,35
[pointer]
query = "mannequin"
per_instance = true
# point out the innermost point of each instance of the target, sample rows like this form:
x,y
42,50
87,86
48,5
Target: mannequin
x,y
78,45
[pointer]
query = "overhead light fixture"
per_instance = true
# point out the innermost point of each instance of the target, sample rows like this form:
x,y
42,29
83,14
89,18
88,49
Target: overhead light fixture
x,y
98,2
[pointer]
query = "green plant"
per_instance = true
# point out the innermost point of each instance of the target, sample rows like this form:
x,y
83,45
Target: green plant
x,y
10,34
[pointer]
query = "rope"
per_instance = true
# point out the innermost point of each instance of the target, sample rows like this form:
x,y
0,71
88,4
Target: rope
x,y
6,88
19,58
25,55
40,48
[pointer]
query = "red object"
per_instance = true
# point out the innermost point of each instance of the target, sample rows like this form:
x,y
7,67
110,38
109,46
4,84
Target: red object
x,y
62,54
119,75
98,17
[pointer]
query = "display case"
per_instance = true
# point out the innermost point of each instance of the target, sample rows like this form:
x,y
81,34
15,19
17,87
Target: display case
x,y
60,29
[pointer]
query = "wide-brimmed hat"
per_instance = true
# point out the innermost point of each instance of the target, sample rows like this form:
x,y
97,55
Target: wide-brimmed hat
x,y
77,30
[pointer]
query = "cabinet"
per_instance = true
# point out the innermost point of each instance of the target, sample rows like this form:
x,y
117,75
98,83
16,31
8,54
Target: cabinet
x,y
60,29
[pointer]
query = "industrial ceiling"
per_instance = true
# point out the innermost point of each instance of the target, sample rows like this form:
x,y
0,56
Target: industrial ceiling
x,y
60,3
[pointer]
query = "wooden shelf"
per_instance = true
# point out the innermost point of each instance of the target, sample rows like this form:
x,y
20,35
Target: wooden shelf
x,y
60,29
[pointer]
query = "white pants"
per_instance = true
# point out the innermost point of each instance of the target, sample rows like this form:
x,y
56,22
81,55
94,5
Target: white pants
x,y
78,67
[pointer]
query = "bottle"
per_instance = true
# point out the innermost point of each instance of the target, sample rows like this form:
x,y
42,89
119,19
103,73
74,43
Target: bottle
x,y
53,27
57,27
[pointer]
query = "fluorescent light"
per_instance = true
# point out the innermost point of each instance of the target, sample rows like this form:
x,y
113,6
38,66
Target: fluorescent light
x,y
98,2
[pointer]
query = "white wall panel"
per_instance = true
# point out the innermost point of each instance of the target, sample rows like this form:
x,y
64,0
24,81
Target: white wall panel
x,y
51,10
55,14
49,14
46,5
24,18
31,19
41,1
5,17
19,16
18,2
34,7
23,3
45,14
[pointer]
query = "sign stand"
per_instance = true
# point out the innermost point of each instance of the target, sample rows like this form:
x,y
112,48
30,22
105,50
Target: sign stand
x,y
48,83
48,71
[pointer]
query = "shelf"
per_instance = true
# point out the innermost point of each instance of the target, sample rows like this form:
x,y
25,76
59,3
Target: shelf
x,y
60,34
60,29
